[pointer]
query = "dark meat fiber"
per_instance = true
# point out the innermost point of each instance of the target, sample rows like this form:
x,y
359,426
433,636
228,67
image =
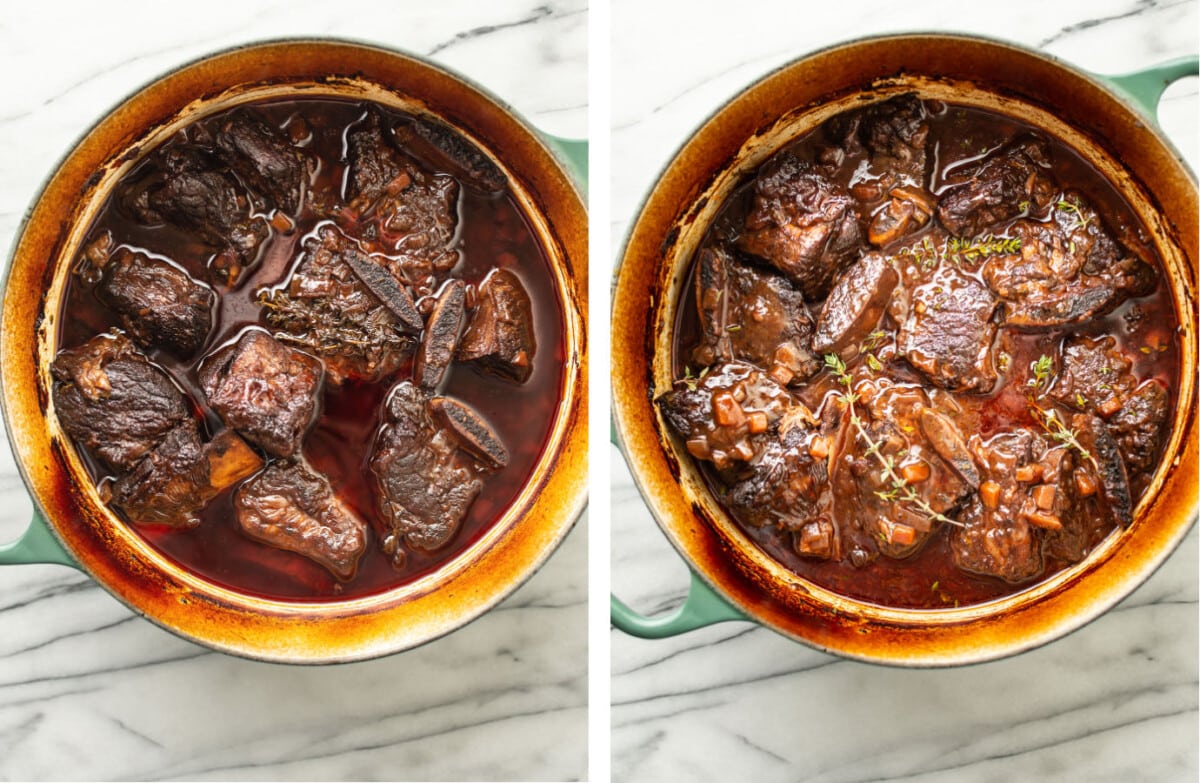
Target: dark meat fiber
x,y
327,308
263,159
993,190
426,484
499,339
159,304
802,223
412,213
441,336
173,483
290,507
113,401
187,187
855,304
1068,269
753,315
949,331
264,390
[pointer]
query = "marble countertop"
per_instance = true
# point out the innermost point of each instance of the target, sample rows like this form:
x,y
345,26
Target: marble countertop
x,y
1114,701
89,691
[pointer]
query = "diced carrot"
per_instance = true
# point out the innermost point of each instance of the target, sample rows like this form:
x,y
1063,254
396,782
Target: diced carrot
x,y
1085,484
915,472
815,540
757,421
1043,496
1029,473
989,493
699,448
1110,406
818,447
787,355
726,410
1043,520
281,222
781,375
898,534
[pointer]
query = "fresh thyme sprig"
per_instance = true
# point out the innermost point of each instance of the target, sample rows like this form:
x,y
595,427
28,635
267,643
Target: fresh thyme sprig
x,y
900,489
960,250
1049,418
1073,207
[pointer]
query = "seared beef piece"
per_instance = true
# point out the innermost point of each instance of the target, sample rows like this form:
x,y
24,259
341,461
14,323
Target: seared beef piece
x,y
802,223
374,162
754,315
113,401
1087,516
441,335
326,308
1096,377
412,212
166,486
1093,375
499,338
1140,425
263,158
949,330
474,434
291,507
997,536
1106,462
855,304
869,512
175,481
894,185
998,188
158,303
187,187
264,390
477,168
724,416
895,132
782,486
418,221
1068,269
426,483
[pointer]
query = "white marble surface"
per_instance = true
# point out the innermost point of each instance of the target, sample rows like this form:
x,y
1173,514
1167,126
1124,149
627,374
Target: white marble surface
x,y
1115,701
88,691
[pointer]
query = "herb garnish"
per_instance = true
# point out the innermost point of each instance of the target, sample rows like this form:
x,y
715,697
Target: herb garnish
x,y
1050,419
1073,207
900,489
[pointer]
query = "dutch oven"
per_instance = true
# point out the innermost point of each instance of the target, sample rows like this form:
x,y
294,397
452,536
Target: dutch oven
x,y
73,527
1109,121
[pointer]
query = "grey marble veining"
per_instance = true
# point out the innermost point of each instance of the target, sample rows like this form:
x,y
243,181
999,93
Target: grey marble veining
x,y
1114,701
89,691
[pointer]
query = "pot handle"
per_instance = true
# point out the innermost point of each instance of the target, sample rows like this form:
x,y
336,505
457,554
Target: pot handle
x,y
572,152
702,607
36,545
1146,86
